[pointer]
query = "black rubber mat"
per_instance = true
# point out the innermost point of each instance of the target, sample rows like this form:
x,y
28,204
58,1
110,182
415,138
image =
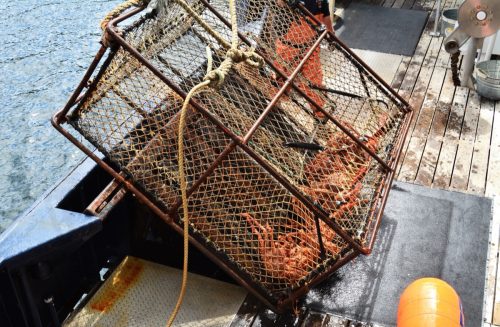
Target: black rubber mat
x,y
424,233
381,29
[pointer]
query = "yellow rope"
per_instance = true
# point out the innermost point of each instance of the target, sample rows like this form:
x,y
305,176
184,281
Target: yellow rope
x,y
183,185
118,10
213,78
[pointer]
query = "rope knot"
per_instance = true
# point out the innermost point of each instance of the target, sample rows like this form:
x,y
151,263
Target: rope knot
x,y
249,56
233,56
236,55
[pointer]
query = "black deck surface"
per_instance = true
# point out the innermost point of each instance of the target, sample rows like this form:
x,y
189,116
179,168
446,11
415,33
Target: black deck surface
x,y
425,233
381,29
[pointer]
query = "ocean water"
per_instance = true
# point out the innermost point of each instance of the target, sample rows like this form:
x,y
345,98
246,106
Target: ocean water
x,y
45,48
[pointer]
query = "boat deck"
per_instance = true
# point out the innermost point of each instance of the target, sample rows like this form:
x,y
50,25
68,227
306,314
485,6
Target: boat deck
x,y
454,133
454,139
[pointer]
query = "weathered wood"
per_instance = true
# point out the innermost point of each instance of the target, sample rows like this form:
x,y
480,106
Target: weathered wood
x,y
432,53
401,73
495,136
443,59
428,164
493,179
444,168
461,170
454,126
388,3
479,169
416,102
443,108
412,158
430,103
492,263
408,4
496,308
471,118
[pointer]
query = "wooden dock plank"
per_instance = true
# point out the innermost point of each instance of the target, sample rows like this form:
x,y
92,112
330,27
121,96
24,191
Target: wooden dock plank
x,y
428,164
398,3
388,3
446,161
430,103
485,123
493,179
455,120
496,307
479,169
443,108
443,59
433,51
408,4
416,102
400,73
412,158
471,117
461,170
495,136
492,263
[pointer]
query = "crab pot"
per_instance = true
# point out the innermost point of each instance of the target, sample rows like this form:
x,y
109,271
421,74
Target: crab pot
x,y
288,165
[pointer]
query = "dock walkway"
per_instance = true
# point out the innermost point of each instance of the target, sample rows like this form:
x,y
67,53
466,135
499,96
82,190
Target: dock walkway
x,y
454,138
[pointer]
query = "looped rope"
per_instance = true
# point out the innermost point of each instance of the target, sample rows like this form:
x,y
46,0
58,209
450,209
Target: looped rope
x,y
118,10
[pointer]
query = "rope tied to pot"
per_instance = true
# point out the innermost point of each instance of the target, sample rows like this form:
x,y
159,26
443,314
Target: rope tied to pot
x,y
213,78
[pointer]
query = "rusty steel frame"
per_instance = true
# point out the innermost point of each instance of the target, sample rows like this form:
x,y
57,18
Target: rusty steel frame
x,y
240,276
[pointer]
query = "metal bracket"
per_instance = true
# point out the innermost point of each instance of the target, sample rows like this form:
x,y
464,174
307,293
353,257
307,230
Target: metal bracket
x,y
102,205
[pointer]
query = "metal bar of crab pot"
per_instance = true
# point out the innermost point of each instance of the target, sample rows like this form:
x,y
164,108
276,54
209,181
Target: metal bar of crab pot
x,y
237,139
380,80
390,180
384,187
76,94
309,99
92,67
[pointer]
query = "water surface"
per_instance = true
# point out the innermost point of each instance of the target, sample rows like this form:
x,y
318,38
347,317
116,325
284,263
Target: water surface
x,y
46,47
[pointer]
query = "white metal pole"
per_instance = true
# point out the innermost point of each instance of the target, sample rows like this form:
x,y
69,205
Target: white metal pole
x,y
468,62
436,33
489,47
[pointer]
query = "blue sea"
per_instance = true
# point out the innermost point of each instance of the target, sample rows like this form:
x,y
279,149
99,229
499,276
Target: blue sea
x,y
45,48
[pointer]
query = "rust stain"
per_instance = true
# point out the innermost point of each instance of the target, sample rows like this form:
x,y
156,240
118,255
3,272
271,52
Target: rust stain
x,y
125,276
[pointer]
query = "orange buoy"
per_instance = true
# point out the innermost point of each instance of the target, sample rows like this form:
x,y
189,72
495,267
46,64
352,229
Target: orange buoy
x,y
430,302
